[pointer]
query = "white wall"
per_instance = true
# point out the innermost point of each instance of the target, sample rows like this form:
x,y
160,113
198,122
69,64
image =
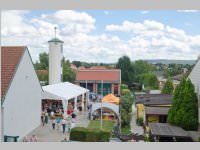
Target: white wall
x,y
55,57
22,105
195,78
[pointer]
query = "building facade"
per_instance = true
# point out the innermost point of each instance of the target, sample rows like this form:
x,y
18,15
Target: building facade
x,y
100,80
21,93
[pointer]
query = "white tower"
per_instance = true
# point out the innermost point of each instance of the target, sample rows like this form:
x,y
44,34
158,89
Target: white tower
x,y
55,60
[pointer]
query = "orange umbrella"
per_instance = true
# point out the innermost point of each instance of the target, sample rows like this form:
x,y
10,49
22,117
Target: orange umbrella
x,y
110,98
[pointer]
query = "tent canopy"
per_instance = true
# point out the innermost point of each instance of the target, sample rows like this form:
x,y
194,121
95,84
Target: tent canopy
x,y
63,91
110,98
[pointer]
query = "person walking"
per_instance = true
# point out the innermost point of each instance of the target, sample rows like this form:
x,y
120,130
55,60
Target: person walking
x,y
69,126
53,123
63,122
58,123
43,118
46,117
33,138
52,114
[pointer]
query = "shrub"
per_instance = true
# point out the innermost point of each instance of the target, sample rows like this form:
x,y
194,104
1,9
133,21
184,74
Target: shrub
x,y
78,134
126,92
139,121
199,139
146,138
124,86
89,135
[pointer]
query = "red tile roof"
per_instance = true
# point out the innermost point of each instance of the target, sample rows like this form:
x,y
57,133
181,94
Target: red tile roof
x,y
100,74
42,72
97,67
10,57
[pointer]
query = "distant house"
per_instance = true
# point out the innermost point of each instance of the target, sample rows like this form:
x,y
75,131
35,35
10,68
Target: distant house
x,y
95,79
43,76
153,107
21,93
195,78
73,67
162,82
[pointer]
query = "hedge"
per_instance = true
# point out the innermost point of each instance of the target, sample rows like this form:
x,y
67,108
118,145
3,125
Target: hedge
x,y
89,135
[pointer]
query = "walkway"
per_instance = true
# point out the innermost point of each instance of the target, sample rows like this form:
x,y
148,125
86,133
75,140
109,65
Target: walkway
x,y
134,127
82,119
47,134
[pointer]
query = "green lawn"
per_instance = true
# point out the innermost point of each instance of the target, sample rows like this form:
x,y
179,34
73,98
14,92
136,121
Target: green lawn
x,y
107,124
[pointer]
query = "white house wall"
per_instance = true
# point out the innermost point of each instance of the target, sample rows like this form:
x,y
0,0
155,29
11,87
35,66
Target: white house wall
x,y
22,105
195,78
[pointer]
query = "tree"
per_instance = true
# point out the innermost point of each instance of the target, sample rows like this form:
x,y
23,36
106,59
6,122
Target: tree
x,y
124,63
37,66
68,73
140,68
125,110
77,63
150,81
168,87
184,109
44,60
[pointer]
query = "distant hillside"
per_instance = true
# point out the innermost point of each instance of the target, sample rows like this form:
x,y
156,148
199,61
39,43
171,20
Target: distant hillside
x,y
165,61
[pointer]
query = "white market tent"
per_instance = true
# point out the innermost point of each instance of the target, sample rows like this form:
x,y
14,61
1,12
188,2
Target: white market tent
x,y
64,91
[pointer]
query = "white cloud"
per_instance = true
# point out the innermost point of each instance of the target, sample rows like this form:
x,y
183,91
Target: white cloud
x,y
144,12
149,39
136,27
188,11
156,40
106,12
187,24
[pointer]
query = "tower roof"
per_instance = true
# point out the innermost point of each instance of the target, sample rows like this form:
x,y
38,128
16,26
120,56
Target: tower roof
x,y
56,40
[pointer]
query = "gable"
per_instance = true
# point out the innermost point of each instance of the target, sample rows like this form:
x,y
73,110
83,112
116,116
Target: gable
x,y
25,64
10,58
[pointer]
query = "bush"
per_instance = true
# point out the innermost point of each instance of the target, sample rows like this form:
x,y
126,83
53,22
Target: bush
x,y
139,121
199,139
146,138
126,92
126,130
124,86
89,135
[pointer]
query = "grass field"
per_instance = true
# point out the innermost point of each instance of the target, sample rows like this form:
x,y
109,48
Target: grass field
x,y
107,124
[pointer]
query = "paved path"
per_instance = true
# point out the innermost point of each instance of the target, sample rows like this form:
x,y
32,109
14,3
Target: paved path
x,y
134,127
82,119
47,134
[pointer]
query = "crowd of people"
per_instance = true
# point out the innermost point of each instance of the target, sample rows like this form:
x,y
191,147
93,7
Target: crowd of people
x,y
64,120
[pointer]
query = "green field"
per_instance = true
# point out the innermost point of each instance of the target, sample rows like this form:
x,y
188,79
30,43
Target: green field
x,y
107,124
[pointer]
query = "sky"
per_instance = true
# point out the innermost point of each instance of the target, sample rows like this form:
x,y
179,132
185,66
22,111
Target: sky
x,y
106,35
